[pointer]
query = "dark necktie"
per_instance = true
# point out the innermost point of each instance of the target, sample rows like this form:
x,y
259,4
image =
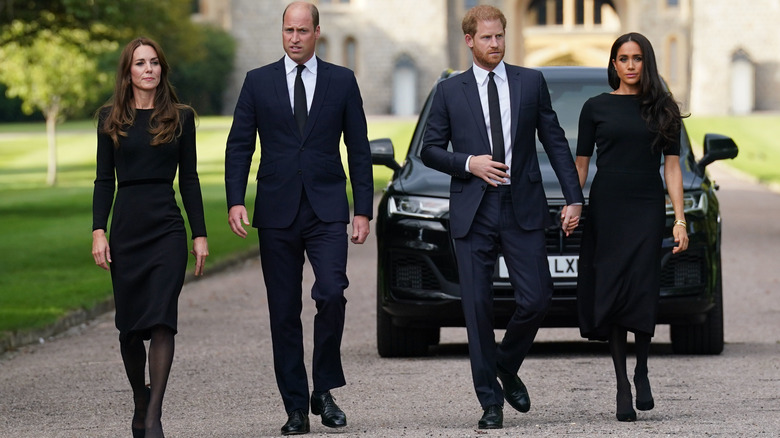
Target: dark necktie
x,y
496,130
299,100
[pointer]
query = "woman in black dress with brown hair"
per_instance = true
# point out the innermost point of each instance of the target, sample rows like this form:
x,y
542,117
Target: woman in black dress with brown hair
x,y
144,136
619,266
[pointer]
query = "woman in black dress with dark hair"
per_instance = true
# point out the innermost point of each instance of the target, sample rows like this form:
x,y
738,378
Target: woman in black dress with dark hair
x,y
619,266
144,136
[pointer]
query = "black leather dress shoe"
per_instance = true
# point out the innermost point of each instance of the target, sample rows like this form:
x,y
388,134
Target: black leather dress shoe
x,y
493,418
297,423
324,405
514,391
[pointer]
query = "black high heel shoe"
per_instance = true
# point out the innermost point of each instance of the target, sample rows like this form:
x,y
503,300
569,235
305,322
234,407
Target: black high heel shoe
x,y
644,396
140,432
625,410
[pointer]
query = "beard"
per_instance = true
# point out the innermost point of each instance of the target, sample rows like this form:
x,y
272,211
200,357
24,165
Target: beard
x,y
485,59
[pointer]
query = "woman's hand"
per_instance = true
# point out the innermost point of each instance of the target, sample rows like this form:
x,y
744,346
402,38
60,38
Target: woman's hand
x,y
200,249
100,250
680,238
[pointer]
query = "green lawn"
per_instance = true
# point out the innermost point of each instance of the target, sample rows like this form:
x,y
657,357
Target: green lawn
x,y
757,136
46,266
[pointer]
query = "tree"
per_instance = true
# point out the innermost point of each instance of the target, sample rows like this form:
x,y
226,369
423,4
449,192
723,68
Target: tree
x,y
55,72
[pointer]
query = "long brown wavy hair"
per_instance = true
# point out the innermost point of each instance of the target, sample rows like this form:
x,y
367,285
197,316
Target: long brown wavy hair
x,y
659,109
164,123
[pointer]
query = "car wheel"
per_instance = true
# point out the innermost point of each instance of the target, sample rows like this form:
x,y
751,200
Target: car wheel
x,y
397,341
705,338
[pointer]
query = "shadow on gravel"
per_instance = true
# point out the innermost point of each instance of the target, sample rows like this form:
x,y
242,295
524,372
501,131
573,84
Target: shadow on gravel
x,y
551,349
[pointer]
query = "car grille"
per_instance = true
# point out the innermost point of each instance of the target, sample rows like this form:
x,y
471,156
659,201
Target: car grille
x,y
412,272
684,269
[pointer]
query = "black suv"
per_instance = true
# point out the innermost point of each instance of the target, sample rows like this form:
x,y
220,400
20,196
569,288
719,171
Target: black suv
x,y
417,276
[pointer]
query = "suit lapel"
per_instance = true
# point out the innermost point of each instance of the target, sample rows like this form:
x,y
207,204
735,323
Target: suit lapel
x,y
515,95
283,95
472,98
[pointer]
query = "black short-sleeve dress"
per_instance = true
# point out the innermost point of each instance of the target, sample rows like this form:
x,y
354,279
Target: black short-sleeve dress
x,y
619,266
147,238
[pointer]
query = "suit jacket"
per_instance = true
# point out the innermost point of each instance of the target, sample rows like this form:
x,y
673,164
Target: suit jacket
x,y
290,162
456,116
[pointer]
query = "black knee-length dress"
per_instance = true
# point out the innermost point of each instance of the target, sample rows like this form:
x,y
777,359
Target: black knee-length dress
x,y
619,266
147,238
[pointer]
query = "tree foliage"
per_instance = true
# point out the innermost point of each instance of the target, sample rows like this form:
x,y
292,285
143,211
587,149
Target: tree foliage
x,y
55,72
201,57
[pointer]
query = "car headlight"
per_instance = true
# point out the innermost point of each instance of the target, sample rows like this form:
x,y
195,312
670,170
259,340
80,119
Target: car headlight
x,y
693,202
418,206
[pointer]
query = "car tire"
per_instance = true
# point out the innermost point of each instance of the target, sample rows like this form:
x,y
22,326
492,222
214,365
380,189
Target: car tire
x,y
397,341
705,338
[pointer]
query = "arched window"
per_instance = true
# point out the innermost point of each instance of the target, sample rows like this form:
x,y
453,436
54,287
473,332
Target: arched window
x,y
350,53
404,87
322,48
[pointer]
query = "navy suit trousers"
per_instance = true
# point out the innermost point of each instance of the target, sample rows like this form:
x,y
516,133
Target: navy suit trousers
x,y
495,230
282,257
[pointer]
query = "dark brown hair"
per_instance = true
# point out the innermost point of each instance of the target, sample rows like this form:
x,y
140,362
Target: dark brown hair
x,y
164,123
659,109
481,13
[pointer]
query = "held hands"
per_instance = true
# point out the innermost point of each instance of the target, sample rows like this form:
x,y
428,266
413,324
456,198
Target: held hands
x,y
570,218
492,172
200,249
100,250
360,229
237,218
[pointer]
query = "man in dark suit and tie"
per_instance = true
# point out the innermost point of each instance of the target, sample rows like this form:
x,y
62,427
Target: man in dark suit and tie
x,y
299,107
492,113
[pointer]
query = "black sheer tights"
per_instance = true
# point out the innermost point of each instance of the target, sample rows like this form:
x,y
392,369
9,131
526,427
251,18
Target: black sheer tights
x,y
618,347
148,401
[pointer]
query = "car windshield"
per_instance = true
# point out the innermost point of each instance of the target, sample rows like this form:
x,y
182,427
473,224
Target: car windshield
x,y
568,97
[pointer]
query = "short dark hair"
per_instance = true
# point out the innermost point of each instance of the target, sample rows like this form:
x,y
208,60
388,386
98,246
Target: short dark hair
x,y
315,13
481,13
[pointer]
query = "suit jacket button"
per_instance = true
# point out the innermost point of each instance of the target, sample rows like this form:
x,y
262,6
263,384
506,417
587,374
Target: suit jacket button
x,y
299,171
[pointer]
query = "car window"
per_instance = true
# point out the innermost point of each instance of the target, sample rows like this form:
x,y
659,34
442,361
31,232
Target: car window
x,y
567,101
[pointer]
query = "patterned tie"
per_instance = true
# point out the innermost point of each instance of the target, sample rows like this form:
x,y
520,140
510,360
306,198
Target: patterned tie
x,y
496,130
299,100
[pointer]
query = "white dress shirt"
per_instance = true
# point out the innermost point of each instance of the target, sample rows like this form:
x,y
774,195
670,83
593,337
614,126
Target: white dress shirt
x,y
308,76
500,77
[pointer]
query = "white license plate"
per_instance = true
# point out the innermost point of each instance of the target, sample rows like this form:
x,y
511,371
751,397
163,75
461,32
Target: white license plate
x,y
560,266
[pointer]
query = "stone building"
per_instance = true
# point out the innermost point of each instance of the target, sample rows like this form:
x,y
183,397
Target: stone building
x,y
717,56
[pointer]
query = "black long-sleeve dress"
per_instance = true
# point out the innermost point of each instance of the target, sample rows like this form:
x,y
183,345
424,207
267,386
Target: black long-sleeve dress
x,y
147,239
619,265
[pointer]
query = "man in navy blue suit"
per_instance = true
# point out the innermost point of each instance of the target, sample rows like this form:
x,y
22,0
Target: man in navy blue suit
x,y
492,114
299,107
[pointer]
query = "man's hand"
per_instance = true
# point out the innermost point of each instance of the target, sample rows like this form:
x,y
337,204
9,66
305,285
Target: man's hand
x,y
360,229
570,218
236,217
492,172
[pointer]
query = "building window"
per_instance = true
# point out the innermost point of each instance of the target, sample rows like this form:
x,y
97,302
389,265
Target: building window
x,y
552,12
468,4
672,3
322,48
673,65
350,53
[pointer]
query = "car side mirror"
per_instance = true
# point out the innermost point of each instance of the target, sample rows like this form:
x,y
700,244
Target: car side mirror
x,y
383,153
716,147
